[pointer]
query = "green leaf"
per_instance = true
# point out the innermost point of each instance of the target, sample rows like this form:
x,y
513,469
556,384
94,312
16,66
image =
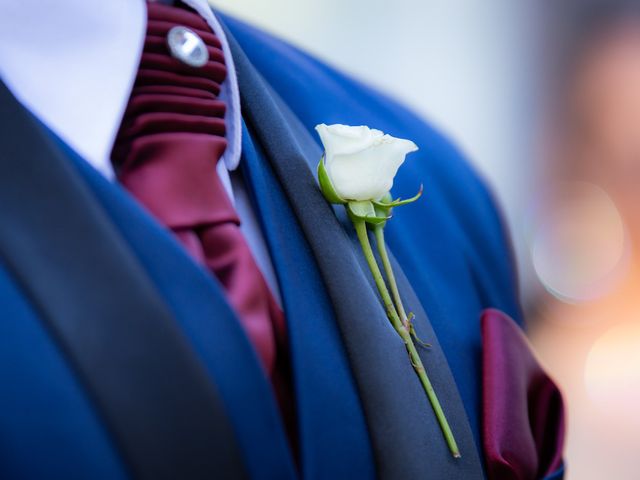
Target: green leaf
x,y
326,186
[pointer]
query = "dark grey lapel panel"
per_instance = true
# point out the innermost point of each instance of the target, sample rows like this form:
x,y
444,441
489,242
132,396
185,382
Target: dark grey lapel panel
x,y
149,388
406,438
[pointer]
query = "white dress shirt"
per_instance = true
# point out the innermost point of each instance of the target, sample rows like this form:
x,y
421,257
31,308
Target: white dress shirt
x,y
73,63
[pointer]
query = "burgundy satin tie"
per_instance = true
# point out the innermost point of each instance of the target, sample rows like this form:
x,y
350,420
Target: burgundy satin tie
x,y
166,152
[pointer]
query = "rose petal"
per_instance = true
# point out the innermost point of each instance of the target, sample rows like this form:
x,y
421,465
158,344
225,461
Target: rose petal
x,y
362,162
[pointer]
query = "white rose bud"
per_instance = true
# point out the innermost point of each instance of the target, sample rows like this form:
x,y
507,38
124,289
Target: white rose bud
x,y
357,172
361,162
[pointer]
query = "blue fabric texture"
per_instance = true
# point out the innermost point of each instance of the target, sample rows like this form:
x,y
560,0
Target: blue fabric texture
x,y
48,428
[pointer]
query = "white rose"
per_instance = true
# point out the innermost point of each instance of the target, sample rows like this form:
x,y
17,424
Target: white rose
x,y
361,162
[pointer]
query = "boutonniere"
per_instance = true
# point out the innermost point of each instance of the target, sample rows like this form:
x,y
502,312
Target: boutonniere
x,y
357,171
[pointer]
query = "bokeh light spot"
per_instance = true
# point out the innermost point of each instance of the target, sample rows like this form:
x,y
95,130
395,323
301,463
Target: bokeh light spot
x,y
579,248
612,373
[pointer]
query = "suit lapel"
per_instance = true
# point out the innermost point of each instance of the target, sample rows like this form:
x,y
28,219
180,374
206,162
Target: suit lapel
x,y
152,392
332,434
406,439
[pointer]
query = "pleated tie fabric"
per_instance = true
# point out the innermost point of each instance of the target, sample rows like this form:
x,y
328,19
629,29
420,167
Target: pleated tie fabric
x,y
166,152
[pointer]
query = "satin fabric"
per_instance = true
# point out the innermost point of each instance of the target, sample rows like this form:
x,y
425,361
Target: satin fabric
x,y
522,413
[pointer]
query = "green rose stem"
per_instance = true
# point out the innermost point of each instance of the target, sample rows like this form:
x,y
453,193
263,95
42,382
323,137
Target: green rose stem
x,y
378,231
361,230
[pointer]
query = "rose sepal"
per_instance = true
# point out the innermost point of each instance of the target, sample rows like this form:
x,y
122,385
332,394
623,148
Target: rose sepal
x,y
387,202
364,210
326,186
382,211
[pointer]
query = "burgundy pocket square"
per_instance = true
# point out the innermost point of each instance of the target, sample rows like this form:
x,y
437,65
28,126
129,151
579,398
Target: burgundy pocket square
x,y
522,412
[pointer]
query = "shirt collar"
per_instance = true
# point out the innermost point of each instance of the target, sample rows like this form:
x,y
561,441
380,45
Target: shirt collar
x,y
73,64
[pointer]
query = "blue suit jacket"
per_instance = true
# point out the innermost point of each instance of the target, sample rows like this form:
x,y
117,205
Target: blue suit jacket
x,y
119,357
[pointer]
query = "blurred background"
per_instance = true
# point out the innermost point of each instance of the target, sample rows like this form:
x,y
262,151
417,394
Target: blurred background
x,y
544,98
